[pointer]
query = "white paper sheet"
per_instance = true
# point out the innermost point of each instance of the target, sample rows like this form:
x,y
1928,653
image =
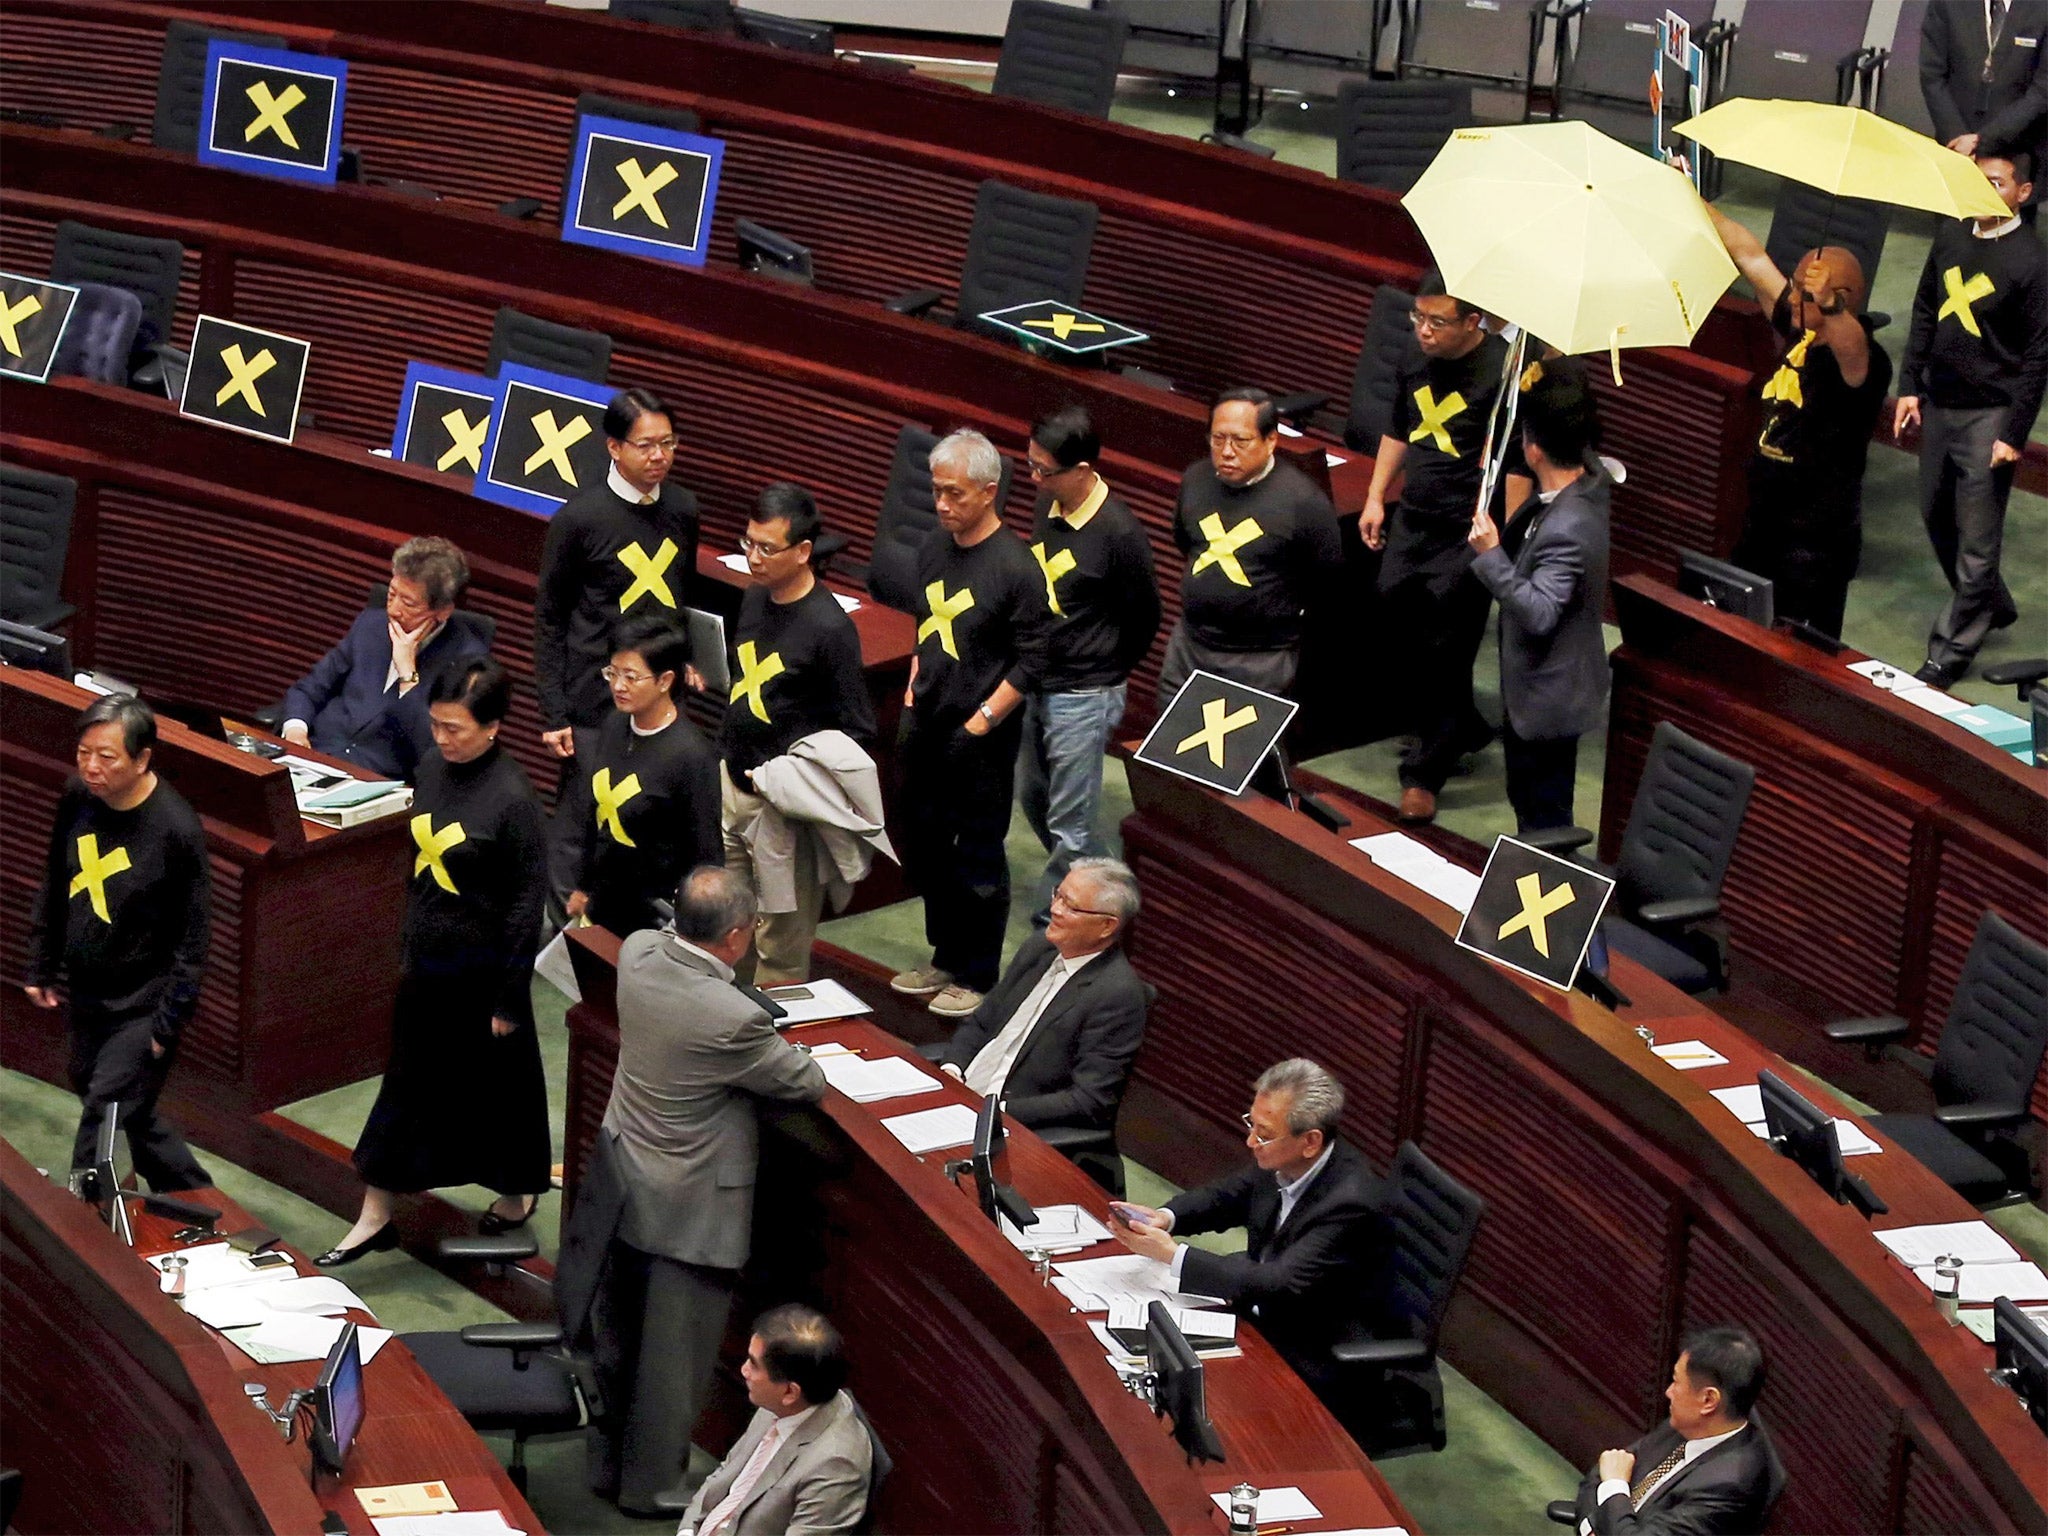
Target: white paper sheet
x,y
1984,1283
287,1336
1059,1229
245,1306
1689,1055
461,1522
1195,1324
1974,1242
846,603
1746,1102
1127,1277
1933,700
735,563
216,1266
1422,867
1288,1503
828,1000
867,1082
928,1130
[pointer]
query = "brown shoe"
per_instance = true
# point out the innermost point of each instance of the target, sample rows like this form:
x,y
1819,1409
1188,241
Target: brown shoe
x,y
1418,805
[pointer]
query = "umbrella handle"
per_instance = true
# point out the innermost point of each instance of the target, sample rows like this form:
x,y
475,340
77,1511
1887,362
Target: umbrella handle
x,y
1501,422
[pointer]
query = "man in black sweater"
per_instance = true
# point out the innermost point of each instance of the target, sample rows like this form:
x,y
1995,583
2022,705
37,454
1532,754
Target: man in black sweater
x,y
123,921
1104,598
628,546
981,639
1261,542
1975,364
796,670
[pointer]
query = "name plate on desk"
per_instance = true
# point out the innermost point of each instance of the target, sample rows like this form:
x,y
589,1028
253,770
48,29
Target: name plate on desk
x,y
1535,913
33,314
643,190
546,441
272,112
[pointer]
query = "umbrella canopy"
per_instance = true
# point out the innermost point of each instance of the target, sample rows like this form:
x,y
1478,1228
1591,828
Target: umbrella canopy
x,y
1848,152
1576,238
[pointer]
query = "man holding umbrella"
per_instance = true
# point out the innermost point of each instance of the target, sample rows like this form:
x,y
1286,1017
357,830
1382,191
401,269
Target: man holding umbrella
x,y
1804,527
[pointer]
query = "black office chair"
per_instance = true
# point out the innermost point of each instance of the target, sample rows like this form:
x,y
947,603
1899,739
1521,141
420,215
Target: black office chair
x,y
1062,56
907,516
181,81
271,716
521,1377
534,343
1675,851
689,15
1387,1371
10,1496
1983,1069
880,1465
1566,1511
148,268
35,537
2020,676
1805,217
1389,130
791,33
1375,380
1024,246
100,336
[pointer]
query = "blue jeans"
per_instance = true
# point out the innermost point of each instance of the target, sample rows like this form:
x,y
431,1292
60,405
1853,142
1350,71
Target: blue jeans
x,y
1059,776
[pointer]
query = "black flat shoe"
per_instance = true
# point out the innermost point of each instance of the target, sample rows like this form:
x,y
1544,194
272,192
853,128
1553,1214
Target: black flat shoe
x,y
491,1224
384,1237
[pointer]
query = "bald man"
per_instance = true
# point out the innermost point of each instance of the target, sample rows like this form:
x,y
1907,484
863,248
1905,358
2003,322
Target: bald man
x,y
1804,527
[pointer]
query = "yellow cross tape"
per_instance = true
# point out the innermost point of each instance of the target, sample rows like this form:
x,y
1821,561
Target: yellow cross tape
x,y
649,574
641,190
555,443
271,110
11,315
1961,296
1057,566
242,375
1223,547
465,440
609,799
1537,905
944,611
1217,724
754,676
1436,417
94,870
1784,384
1063,325
432,846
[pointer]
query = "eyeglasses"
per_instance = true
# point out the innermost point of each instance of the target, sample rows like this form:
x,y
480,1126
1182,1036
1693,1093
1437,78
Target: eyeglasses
x,y
1047,471
1061,900
750,547
626,676
1428,322
1257,1139
652,444
1225,440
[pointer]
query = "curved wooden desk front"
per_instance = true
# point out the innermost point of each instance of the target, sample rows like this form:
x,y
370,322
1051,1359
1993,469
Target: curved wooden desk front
x,y
1878,833
125,1414
1241,272
1625,1205
991,1394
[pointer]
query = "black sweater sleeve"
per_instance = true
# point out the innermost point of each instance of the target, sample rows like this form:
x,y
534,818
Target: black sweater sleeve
x,y
46,923
1913,367
560,586
2026,397
526,868
1030,624
186,866
1138,620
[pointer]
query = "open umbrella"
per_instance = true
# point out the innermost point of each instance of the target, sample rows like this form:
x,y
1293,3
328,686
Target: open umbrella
x,y
1848,152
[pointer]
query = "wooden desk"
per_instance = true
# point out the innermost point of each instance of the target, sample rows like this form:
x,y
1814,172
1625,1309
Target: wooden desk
x,y
1877,835
990,1393
1625,1205
127,1415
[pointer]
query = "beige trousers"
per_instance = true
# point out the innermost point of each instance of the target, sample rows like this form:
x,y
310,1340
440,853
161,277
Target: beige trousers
x,y
782,940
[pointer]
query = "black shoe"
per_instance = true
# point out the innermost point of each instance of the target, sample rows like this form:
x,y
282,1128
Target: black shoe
x,y
669,1504
2005,618
384,1237
1935,675
491,1224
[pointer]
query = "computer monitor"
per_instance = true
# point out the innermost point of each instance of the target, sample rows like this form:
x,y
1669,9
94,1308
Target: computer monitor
x,y
34,650
109,1171
2040,710
1177,1386
790,32
2022,1350
996,1198
772,255
338,1401
1727,587
1804,1132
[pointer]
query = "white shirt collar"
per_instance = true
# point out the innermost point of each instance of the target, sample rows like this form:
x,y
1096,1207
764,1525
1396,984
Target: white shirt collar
x,y
783,1428
1997,231
622,488
1255,479
1695,1449
1293,1191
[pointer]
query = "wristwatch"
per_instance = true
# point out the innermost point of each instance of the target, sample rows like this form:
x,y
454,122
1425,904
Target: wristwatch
x,y
409,681
988,714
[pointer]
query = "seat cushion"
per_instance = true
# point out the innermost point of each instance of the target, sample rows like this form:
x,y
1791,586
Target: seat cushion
x,y
1946,1155
1685,972
491,1391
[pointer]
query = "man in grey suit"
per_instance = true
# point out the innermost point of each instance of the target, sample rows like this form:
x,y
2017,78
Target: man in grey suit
x,y
694,1055
1550,578
805,1464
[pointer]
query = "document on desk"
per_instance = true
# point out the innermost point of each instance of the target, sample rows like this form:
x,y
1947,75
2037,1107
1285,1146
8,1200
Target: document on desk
x,y
288,1336
465,1522
245,1306
1689,1055
928,1130
1276,1504
810,1001
1095,1285
1979,1320
867,1082
1985,1283
216,1266
1974,1242
1059,1229
1422,867
1746,1103
1197,1325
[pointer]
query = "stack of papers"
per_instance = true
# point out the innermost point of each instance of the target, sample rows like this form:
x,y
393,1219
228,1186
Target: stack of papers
x,y
1276,1504
1422,867
288,1336
1973,1242
244,1306
815,1000
1746,1103
1059,1229
1096,1285
865,1081
1982,1284
1690,1055
1197,1325
928,1130
467,1522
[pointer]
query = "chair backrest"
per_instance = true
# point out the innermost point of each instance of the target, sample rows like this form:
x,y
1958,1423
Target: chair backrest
x,y
1389,130
790,32
1687,814
1024,246
907,518
181,81
1789,48
1616,40
1389,337
880,1465
35,536
146,267
1805,217
1062,56
1434,1220
1997,1030
690,15
99,335
1489,42
520,338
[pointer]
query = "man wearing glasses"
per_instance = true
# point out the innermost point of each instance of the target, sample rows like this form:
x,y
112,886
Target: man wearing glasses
x,y
1435,609
1057,1035
1316,1240
796,671
622,549
1261,542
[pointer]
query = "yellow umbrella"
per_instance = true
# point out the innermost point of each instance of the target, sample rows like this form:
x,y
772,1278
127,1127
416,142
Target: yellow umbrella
x,y
1578,239
1848,152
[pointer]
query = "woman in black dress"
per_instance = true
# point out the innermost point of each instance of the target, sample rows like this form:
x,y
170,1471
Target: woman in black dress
x,y
464,1100
650,794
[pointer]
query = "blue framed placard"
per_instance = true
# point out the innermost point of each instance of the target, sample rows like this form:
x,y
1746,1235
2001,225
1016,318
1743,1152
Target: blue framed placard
x,y
271,112
444,419
546,441
642,190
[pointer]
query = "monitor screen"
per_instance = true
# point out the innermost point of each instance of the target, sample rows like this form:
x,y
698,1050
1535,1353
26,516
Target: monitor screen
x,y
36,650
1801,1131
338,1400
2022,1348
762,250
1727,587
988,1141
1178,1386
2040,700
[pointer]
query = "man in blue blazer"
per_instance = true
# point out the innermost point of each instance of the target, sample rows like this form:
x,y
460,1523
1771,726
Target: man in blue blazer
x,y
364,701
1550,579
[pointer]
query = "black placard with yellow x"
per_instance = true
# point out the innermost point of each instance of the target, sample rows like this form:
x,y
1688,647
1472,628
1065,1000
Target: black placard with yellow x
x,y
1217,732
546,441
33,313
1052,326
245,378
1535,912
270,111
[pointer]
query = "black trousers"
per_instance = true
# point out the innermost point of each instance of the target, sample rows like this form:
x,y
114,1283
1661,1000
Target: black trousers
x,y
112,1063
1541,778
1441,635
956,816
568,823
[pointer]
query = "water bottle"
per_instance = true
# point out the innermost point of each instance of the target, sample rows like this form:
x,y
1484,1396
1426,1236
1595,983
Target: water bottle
x,y
1948,1288
1244,1510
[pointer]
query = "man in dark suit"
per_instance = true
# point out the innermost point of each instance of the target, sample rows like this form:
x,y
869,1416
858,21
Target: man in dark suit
x,y
1709,1470
1550,585
1981,75
1057,1035
364,700
1311,1209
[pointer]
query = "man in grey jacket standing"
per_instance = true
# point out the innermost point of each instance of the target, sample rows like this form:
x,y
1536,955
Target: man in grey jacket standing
x,y
694,1054
1550,579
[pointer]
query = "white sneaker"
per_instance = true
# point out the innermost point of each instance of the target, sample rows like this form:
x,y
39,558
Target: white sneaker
x,y
921,982
955,1002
